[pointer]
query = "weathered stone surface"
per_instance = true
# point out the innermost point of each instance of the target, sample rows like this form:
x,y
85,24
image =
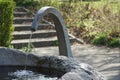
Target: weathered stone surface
x,y
73,69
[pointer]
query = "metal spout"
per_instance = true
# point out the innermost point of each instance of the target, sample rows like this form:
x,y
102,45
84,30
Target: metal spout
x,y
61,30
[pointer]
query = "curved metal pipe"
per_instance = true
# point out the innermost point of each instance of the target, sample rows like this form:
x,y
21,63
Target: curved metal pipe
x,y
61,30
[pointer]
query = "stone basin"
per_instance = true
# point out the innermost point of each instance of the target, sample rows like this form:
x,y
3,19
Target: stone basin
x,y
70,68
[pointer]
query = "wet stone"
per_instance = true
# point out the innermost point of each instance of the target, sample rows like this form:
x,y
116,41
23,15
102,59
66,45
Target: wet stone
x,y
71,68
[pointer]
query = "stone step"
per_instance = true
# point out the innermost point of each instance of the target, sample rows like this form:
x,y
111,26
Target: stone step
x,y
39,42
20,9
37,34
22,20
26,27
20,14
45,36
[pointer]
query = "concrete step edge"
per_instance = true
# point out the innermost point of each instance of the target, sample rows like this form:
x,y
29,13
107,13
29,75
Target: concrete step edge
x,y
33,40
29,32
20,13
54,38
38,44
37,34
18,8
26,27
23,18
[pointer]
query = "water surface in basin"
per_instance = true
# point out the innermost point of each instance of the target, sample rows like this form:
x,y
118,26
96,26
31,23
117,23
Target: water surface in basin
x,y
31,73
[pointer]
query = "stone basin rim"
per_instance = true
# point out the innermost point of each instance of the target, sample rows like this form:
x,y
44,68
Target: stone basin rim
x,y
73,68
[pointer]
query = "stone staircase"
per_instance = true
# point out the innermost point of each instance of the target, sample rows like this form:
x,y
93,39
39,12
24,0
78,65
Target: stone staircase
x,y
43,37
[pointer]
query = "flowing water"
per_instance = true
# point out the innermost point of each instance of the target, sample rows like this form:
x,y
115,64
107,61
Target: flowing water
x,y
29,48
31,73
28,73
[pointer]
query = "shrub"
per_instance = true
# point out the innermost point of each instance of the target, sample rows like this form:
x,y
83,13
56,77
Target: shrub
x,y
96,24
114,42
26,3
100,39
6,22
90,0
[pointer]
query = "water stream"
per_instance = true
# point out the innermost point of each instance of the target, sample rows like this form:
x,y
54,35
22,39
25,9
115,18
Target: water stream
x,y
31,73
26,73
29,48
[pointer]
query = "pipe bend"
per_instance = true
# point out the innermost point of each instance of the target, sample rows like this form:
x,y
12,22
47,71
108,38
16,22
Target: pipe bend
x,y
44,11
61,30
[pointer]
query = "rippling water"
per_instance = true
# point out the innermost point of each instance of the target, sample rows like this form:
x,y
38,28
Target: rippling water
x,y
29,75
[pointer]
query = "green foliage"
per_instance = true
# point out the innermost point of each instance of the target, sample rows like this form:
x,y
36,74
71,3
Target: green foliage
x,y
91,0
95,21
87,21
6,21
103,39
28,49
100,39
114,42
11,46
26,3
53,3
55,43
36,4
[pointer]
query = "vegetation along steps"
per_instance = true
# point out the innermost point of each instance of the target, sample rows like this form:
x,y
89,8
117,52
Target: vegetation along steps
x,y
45,36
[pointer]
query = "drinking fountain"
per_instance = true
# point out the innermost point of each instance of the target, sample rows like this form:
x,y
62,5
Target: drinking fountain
x,y
63,67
